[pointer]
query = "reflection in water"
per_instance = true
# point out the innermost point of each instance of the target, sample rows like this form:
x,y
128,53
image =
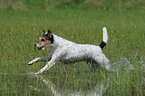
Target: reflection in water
x,y
99,86
98,90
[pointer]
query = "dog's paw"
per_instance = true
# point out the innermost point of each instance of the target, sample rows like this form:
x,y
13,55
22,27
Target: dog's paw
x,y
30,63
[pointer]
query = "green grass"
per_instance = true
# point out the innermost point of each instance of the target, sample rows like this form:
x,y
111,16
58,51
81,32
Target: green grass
x,y
19,30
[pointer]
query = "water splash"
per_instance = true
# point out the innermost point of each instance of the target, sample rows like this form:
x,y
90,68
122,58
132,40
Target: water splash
x,y
129,63
123,63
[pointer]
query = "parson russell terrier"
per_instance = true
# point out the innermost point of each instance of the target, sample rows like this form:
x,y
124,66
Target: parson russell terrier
x,y
67,52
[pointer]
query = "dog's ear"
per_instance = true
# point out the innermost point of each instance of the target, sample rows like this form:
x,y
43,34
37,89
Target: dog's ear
x,y
49,31
43,30
50,34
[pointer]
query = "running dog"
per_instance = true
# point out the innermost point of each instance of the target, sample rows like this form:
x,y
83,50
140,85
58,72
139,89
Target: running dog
x,y
67,52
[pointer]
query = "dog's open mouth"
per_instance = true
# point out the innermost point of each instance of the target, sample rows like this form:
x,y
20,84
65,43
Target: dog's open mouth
x,y
41,48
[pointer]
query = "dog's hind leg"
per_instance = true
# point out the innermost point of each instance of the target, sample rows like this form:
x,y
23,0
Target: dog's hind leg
x,y
103,62
93,65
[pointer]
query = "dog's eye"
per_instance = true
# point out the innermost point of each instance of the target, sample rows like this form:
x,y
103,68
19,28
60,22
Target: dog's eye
x,y
42,40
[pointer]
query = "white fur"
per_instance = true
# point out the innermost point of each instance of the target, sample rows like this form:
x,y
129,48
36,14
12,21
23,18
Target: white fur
x,y
69,52
105,35
35,60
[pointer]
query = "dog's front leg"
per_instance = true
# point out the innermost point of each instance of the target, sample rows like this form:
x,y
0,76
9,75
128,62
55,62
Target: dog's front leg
x,y
33,61
46,67
40,59
55,57
44,59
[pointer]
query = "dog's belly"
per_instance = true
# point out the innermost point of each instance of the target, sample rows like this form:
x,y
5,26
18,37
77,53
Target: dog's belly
x,y
70,60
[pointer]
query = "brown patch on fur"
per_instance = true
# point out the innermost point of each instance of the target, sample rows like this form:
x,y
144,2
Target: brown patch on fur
x,y
42,41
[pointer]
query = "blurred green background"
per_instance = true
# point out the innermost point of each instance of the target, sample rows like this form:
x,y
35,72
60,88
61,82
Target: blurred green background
x,y
75,4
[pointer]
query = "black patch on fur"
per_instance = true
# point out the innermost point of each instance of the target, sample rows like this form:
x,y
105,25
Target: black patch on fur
x,y
51,39
102,45
48,38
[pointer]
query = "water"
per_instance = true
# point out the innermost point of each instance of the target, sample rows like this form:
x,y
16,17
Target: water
x,y
24,84
129,64
97,90
130,81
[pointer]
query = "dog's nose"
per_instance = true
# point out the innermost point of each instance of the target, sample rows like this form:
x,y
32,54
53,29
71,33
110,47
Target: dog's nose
x,y
35,44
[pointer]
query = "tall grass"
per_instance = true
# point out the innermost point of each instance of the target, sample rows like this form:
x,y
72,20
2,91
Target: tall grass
x,y
19,30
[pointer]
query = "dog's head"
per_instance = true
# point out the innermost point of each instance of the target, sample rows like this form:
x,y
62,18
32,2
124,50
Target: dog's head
x,y
46,40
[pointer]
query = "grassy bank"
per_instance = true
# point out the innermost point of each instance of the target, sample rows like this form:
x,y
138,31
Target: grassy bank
x,y
19,30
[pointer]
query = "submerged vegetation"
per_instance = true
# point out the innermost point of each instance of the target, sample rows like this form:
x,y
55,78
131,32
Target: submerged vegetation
x,y
80,21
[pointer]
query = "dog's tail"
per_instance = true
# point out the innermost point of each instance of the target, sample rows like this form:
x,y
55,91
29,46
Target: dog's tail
x,y
105,38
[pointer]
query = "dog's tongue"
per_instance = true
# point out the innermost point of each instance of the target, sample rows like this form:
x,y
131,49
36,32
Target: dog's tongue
x,y
43,48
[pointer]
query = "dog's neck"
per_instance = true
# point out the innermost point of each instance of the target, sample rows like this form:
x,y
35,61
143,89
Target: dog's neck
x,y
60,42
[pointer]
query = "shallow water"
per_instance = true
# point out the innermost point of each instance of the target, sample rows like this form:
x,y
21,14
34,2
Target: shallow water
x,y
43,85
79,83
129,63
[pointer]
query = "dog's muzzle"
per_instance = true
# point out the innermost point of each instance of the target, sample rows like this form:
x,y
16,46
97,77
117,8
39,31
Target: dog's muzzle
x,y
40,47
